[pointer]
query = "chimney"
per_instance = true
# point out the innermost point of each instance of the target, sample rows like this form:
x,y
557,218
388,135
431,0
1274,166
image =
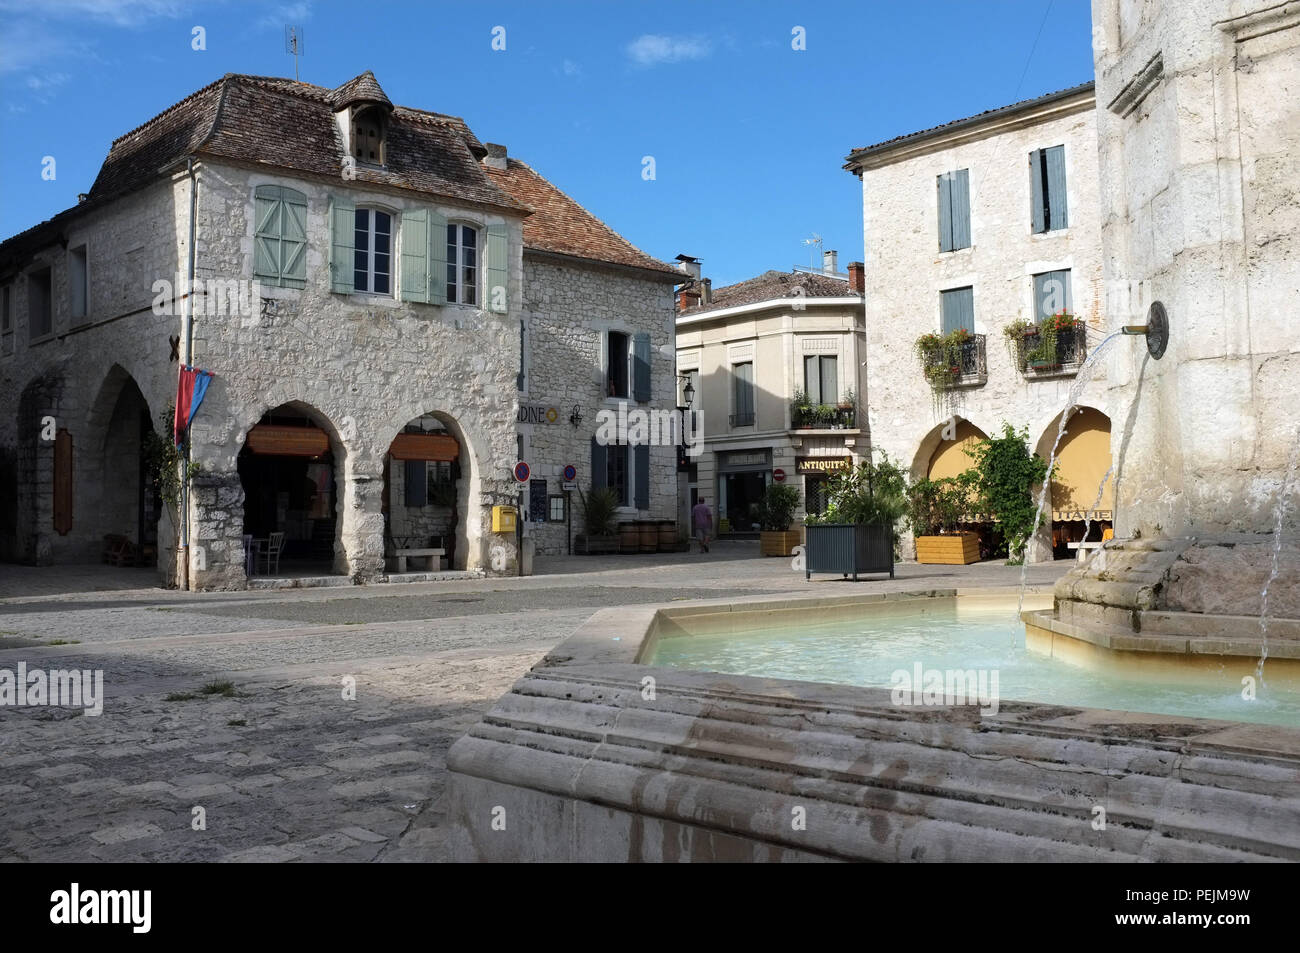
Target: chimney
x,y
706,286
688,298
857,277
496,156
689,266
830,262
81,197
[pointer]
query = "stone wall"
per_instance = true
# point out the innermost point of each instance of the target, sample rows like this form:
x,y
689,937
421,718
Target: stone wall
x,y
569,307
1199,129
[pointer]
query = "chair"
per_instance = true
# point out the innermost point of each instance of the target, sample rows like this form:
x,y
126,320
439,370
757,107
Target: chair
x,y
250,555
272,552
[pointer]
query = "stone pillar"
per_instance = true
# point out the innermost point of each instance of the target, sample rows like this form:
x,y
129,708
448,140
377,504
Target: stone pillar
x,y
359,549
216,544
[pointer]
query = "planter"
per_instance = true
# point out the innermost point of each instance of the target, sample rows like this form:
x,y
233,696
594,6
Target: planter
x,y
953,549
778,542
849,549
595,545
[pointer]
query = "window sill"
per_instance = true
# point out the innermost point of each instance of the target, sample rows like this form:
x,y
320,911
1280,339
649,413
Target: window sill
x,y
41,339
1050,233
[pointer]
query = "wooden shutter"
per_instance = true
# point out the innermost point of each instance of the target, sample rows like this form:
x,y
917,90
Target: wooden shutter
x,y
343,223
958,309
293,239
1056,211
641,469
812,381
415,255
1052,294
641,368
437,257
1036,190
267,214
416,491
945,212
744,374
830,379
959,191
599,465
498,268
63,482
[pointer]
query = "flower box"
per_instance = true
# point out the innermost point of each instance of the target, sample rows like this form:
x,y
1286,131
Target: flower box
x,y
778,542
952,549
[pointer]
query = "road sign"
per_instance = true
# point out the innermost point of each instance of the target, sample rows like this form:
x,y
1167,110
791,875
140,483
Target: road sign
x,y
521,472
570,473
569,486
778,475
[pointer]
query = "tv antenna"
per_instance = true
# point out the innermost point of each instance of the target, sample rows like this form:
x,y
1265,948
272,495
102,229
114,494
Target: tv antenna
x,y
816,244
293,43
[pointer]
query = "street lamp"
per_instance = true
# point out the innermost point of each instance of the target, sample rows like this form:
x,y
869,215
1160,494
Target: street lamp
x,y
688,392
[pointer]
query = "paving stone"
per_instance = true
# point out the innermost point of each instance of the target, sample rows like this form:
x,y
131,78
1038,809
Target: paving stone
x,y
126,832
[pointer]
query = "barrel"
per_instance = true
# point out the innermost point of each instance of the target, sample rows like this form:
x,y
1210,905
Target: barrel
x,y
627,538
667,536
648,531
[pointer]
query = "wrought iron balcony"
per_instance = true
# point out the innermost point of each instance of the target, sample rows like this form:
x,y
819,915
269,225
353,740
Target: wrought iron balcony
x,y
1059,351
823,417
961,365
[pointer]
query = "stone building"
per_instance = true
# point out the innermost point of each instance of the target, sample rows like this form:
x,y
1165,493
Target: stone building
x,y
363,280
775,366
978,233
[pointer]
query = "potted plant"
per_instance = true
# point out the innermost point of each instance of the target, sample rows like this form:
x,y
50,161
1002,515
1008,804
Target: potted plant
x,y
800,410
855,533
1007,474
826,416
599,522
941,357
936,509
775,514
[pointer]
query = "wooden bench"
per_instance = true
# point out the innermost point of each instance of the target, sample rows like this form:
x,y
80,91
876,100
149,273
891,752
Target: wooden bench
x,y
429,553
1083,550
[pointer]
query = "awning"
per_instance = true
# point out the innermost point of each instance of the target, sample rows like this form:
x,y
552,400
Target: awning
x,y
288,441
424,446
1081,462
953,457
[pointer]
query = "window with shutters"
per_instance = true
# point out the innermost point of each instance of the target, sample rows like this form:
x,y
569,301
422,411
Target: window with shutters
x,y
742,400
1052,294
821,378
957,309
78,286
462,264
1047,189
954,210
372,246
617,472
40,304
368,135
618,356
280,236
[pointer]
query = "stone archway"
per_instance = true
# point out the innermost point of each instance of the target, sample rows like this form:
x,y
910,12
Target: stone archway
x,y
945,450
1082,497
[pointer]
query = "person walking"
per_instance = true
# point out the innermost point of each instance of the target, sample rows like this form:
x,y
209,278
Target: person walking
x,y
702,519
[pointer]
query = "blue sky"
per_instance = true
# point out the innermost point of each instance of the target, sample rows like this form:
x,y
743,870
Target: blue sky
x,y
747,134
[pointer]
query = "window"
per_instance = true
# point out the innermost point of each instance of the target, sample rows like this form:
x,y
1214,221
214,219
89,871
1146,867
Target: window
x,y
616,364
368,136
954,210
280,236
557,512
372,252
1052,294
616,477
77,286
1047,184
40,315
815,494
821,379
957,309
743,394
462,265
623,468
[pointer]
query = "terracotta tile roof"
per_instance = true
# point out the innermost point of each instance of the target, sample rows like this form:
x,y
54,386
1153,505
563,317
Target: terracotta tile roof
x,y
772,286
968,120
562,226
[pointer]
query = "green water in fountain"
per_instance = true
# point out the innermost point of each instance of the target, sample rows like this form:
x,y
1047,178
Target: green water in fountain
x,y
868,650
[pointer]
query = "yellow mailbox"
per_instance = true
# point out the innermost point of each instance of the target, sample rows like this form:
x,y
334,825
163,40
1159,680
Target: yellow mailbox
x,y
503,519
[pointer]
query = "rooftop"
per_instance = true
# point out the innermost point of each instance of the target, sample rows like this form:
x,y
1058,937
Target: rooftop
x,y
773,286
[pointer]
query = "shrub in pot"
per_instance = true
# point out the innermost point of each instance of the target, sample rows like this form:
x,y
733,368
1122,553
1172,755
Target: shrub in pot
x,y
936,510
855,533
599,522
775,514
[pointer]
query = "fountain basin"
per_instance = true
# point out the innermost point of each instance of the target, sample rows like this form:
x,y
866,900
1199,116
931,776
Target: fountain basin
x,y
595,756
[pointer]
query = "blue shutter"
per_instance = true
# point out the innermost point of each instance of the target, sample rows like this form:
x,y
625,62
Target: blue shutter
x,y
641,368
599,465
958,309
416,491
343,223
498,269
266,232
1056,212
641,469
415,255
959,190
1036,190
945,212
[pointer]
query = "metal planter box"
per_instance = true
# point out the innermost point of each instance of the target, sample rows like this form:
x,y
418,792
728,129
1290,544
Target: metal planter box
x,y
848,549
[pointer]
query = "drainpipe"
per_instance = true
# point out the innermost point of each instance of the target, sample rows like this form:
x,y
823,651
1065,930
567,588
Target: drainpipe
x,y
188,351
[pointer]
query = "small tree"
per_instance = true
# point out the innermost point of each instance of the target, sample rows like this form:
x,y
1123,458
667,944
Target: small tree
x,y
776,510
941,506
1008,472
599,511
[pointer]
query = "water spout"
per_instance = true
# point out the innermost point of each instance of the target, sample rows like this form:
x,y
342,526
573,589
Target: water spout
x,y
1280,518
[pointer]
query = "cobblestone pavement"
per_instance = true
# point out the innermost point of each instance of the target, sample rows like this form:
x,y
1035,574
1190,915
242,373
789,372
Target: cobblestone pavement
x,y
284,767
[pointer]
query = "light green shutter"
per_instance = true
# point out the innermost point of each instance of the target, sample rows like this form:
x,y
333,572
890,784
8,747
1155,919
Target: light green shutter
x,y
437,257
498,270
293,239
266,236
415,255
343,223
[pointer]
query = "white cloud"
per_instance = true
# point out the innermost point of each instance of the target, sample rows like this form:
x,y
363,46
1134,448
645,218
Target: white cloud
x,y
651,49
286,14
570,68
119,12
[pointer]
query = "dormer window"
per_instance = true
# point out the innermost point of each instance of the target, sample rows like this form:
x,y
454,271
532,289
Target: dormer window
x,y
368,135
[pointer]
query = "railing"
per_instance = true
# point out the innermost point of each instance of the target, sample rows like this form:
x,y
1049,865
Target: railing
x,y
824,417
969,370
742,420
1039,356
